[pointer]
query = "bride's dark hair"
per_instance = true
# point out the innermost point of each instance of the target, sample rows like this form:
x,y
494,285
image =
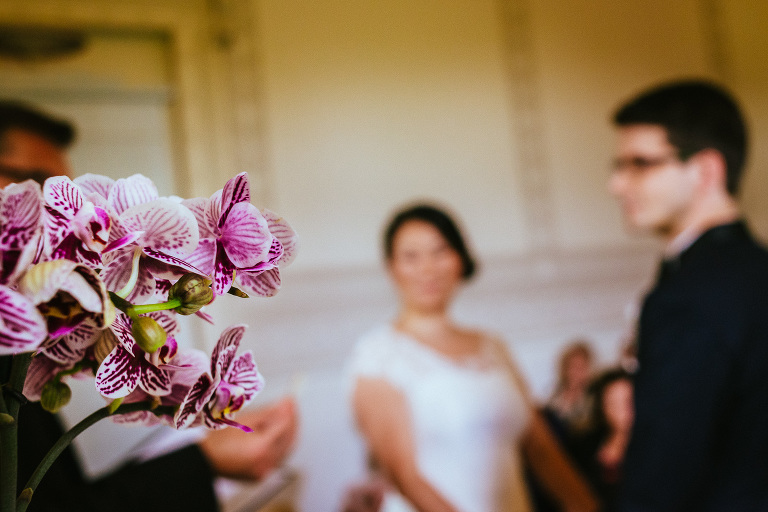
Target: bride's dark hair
x,y
442,222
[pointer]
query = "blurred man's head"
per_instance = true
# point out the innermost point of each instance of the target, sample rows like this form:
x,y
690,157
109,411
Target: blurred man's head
x,y
32,144
680,154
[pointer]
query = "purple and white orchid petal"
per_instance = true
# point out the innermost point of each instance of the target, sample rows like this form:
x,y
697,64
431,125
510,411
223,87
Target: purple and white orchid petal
x,y
121,328
246,236
168,226
187,366
281,230
117,274
154,380
56,228
91,224
63,352
122,241
132,191
72,248
63,196
213,212
41,371
193,403
236,191
219,423
204,316
71,348
165,266
261,284
95,184
199,206
20,214
118,374
22,327
243,373
223,271
204,256
44,280
224,352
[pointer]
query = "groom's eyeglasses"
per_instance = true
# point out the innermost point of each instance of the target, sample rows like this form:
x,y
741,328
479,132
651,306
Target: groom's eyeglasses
x,y
637,165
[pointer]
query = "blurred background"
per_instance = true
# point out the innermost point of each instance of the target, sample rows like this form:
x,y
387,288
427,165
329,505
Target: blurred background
x,y
343,110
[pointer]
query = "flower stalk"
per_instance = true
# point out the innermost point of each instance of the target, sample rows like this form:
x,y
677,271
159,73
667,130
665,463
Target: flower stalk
x,y
64,441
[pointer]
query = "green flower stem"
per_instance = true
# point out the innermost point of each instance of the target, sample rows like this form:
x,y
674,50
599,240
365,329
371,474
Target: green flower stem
x,y
9,429
8,458
140,309
29,489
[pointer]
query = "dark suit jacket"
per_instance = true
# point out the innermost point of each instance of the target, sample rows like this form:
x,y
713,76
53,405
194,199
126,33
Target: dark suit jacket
x,y
700,439
181,480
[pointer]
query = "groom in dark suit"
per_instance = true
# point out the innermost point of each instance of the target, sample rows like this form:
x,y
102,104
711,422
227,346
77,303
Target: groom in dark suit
x,y
700,439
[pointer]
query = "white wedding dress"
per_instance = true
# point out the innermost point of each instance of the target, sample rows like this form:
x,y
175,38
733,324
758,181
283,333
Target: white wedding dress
x,y
467,418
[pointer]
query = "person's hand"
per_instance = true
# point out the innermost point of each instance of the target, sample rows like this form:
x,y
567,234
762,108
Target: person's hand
x,y
233,453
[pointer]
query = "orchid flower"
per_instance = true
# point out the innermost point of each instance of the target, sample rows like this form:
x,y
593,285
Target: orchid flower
x,y
160,233
238,242
184,369
234,234
232,383
22,327
128,366
74,303
21,228
76,228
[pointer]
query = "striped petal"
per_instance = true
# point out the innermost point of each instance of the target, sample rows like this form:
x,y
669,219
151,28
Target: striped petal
x,y
130,192
246,236
154,380
118,374
262,284
226,347
41,371
204,256
236,191
168,226
199,208
193,403
21,211
283,231
95,184
22,327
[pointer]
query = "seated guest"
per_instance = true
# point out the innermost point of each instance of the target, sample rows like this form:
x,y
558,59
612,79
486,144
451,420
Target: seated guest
x,y
568,407
599,451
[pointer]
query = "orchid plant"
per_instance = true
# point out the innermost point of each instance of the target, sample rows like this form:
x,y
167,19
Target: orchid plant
x,y
92,275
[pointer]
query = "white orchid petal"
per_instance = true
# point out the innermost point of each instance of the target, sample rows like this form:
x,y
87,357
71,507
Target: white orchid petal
x,y
21,211
118,374
261,284
168,226
130,192
283,231
22,327
95,184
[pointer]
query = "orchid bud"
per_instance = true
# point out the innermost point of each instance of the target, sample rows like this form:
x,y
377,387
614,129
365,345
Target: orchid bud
x,y
55,395
148,334
193,291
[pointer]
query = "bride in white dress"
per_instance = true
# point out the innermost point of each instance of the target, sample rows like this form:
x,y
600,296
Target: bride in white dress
x,y
442,408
